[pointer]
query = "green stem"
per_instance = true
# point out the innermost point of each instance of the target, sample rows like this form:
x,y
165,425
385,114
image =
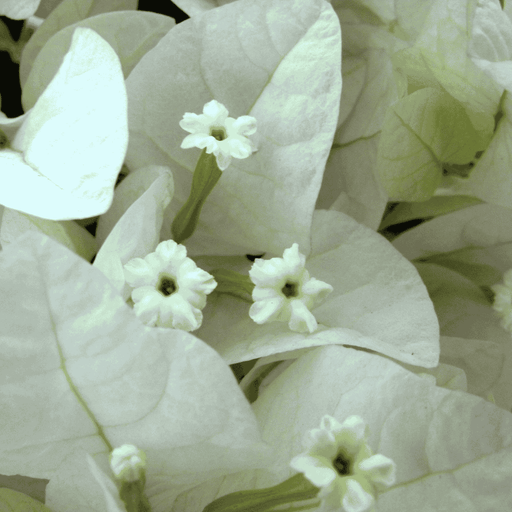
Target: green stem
x,y
295,489
206,176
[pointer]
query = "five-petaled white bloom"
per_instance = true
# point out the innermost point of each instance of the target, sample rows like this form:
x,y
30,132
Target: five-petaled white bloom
x,y
503,300
284,292
221,135
339,461
128,463
169,290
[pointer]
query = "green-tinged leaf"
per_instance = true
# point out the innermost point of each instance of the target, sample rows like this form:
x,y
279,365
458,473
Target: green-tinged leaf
x,y
491,178
479,273
131,34
274,60
66,232
69,148
66,13
295,489
137,232
482,225
13,501
71,345
439,58
379,302
421,133
434,207
33,487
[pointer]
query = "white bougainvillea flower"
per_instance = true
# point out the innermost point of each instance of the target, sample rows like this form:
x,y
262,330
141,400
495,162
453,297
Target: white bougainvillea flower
x,y
339,461
503,300
128,463
284,291
221,135
169,290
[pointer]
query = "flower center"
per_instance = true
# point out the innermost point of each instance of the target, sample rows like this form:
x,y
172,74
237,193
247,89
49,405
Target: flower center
x,y
218,132
341,465
166,285
290,289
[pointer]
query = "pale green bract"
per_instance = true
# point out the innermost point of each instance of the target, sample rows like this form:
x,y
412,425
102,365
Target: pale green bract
x,y
423,133
13,501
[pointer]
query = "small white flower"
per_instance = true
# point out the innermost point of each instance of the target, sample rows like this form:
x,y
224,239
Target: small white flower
x,y
284,292
169,290
503,300
339,461
128,463
221,135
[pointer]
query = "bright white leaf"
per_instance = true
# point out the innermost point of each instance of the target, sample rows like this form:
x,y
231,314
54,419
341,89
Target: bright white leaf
x,y
274,60
71,145
72,346
130,34
379,302
66,13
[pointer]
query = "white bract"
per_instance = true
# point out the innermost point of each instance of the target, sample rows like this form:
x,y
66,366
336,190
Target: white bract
x,y
339,461
503,300
127,463
221,135
62,157
169,290
285,292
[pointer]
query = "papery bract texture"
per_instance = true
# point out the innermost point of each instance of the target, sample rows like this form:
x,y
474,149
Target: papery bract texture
x,y
80,375
275,60
452,450
378,302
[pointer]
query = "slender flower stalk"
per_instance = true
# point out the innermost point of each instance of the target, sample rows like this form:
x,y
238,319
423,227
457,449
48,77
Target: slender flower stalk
x,y
221,138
